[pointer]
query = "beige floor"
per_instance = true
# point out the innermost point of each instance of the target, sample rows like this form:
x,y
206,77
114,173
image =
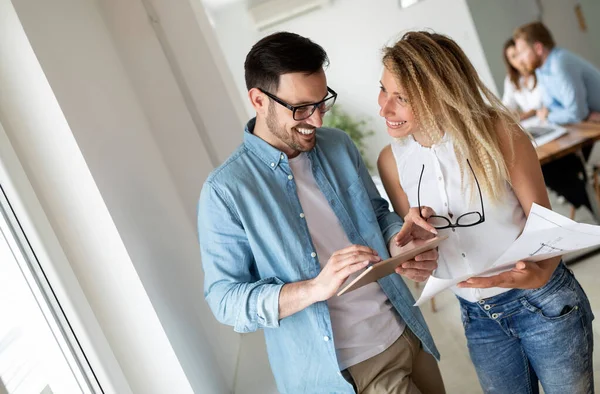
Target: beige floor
x,y
457,371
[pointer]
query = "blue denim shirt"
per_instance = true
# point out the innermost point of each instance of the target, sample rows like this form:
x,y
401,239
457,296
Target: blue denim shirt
x,y
253,241
570,87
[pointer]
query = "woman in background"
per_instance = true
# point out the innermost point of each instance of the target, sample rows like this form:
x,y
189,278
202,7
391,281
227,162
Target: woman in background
x,y
521,93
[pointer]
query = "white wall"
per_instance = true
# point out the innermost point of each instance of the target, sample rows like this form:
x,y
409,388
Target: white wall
x,y
496,21
236,35
591,10
353,32
117,126
559,16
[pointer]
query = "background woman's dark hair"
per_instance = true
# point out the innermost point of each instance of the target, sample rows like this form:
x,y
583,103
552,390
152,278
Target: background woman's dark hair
x,y
278,54
513,74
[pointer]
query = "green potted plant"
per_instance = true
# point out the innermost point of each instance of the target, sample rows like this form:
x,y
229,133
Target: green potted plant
x,y
357,129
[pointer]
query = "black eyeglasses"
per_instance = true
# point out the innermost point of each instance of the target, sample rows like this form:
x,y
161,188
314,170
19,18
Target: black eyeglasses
x,y
468,219
305,111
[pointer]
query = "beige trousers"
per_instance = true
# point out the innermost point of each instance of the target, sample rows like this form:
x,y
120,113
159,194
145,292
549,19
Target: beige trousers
x,y
403,368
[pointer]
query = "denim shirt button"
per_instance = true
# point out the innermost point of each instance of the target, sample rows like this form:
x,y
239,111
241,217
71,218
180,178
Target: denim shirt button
x,y
326,338
302,215
495,315
272,164
313,254
487,307
482,302
290,177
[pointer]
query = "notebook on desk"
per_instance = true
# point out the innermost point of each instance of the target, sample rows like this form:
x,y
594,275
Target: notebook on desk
x,y
543,132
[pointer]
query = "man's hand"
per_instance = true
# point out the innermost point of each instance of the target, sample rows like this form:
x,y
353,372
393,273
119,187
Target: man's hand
x,y
542,113
525,275
340,266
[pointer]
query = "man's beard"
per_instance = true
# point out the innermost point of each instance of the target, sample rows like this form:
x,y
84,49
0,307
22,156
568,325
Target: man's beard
x,y
537,63
280,132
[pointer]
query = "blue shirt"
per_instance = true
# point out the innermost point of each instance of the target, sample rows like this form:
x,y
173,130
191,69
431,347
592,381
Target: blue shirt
x,y
253,241
570,87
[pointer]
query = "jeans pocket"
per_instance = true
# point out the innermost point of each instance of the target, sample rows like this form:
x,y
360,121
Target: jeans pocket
x,y
464,316
556,305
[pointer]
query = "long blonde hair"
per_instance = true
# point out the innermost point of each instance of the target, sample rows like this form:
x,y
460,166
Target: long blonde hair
x,y
446,95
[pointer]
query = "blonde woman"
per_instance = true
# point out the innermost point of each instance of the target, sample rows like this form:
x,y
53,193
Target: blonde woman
x,y
460,164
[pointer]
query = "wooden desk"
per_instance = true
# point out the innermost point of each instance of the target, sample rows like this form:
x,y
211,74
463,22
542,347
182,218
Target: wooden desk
x,y
579,135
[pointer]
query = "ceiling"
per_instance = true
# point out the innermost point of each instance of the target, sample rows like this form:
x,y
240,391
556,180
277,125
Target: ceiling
x,y
216,4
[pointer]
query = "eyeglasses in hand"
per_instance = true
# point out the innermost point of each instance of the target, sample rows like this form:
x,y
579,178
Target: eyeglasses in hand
x,y
468,219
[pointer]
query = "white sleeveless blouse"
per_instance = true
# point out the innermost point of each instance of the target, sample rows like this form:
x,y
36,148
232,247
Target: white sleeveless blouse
x,y
468,249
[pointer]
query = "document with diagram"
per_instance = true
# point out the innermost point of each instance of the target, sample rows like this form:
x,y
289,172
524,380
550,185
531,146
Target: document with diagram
x,y
546,234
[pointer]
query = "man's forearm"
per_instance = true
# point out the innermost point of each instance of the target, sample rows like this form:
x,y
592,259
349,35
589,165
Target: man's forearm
x,y
295,297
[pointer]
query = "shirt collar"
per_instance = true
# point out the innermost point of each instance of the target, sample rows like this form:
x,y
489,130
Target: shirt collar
x,y
268,154
547,66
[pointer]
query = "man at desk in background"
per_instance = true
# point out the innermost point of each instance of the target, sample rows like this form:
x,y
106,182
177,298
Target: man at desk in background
x,y
570,89
570,84
283,223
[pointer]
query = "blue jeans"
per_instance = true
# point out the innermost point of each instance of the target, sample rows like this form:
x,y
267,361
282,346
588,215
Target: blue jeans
x,y
521,337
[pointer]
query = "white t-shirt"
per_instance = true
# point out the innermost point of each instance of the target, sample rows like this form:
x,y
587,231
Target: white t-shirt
x,y
468,249
524,99
364,322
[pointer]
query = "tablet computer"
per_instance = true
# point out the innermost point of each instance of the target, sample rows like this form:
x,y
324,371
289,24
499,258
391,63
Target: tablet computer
x,y
387,267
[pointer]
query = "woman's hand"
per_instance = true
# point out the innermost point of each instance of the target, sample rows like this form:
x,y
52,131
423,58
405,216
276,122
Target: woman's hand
x,y
414,231
415,226
421,267
525,275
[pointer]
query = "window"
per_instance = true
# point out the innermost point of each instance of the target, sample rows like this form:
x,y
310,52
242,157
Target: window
x,y
39,352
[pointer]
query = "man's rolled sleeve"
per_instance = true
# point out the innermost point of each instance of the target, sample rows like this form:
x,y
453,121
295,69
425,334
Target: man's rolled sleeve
x,y
390,226
235,296
268,304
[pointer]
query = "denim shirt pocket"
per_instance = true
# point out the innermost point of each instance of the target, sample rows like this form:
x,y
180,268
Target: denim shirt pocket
x,y
359,198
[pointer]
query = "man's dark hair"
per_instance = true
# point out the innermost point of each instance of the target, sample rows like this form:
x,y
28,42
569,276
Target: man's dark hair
x,y
535,32
278,54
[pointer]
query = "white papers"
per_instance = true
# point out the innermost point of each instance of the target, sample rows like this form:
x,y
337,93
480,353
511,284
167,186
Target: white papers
x,y
542,131
546,234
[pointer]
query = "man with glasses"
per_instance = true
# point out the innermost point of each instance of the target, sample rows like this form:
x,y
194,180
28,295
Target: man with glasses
x,y
287,219
570,88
